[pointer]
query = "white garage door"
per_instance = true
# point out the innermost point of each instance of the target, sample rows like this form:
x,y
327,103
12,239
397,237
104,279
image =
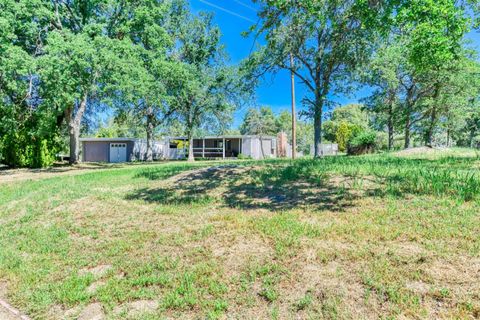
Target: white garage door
x,y
118,152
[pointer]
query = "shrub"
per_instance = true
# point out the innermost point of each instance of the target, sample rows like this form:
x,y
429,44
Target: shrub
x,y
345,132
362,143
241,156
329,130
18,150
43,155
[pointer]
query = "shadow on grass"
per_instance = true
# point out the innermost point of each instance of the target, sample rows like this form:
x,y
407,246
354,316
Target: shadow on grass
x,y
248,188
333,184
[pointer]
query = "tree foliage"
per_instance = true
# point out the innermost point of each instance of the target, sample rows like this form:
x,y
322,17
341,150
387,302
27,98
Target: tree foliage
x,y
332,43
63,62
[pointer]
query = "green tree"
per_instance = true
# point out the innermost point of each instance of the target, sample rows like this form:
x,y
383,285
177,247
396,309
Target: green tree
x,y
432,35
345,123
144,87
328,40
75,70
456,87
353,114
345,132
384,74
27,136
206,90
259,122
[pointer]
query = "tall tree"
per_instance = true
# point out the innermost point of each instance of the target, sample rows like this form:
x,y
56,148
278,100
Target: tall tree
x,y
384,74
433,32
456,86
147,23
208,88
259,122
328,39
27,137
74,72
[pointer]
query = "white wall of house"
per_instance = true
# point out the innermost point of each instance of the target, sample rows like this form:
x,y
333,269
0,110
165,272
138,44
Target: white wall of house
x,y
252,146
140,150
247,146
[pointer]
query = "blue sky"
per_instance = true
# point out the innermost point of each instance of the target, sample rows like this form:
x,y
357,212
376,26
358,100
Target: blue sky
x,y
235,16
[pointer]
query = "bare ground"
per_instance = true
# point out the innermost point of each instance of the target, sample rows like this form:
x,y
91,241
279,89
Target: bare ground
x,y
15,175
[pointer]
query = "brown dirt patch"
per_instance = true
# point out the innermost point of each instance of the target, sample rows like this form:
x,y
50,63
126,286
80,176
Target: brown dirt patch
x,y
235,252
98,271
418,287
462,274
136,308
93,311
15,175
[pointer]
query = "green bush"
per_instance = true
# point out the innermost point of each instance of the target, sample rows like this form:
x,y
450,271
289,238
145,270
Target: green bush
x,y
366,138
19,150
42,155
362,143
344,133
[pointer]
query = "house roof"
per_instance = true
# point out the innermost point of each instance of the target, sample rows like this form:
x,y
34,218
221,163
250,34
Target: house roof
x,y
107,139
239,136
123,139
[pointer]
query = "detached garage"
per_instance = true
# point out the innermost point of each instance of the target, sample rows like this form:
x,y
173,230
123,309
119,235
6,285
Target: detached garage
x,y
117,150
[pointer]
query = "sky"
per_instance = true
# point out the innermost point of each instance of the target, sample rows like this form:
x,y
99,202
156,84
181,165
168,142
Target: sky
x,y
235,16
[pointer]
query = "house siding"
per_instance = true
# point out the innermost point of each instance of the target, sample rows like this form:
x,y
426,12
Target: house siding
x,y
99,151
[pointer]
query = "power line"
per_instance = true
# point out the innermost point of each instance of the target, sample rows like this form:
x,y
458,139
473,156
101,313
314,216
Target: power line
x,y
227,11
245,5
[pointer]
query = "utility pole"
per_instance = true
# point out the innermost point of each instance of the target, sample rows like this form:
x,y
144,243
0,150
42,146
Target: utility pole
x,y
294,117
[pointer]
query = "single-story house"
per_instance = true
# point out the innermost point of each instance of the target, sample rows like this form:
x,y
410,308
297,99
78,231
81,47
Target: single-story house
x,y
130,149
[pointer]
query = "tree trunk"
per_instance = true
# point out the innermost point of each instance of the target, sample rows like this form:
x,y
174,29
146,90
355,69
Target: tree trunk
x,y
74,135
150,128
430,128
74,124
407,132
433,118
191,155
317,124
390,128
261,147
471,137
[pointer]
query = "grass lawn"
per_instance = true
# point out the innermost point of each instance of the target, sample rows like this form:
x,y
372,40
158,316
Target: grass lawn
x,y
381,236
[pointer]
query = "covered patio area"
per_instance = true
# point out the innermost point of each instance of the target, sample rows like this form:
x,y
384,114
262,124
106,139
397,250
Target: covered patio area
x,y
217,147
211,147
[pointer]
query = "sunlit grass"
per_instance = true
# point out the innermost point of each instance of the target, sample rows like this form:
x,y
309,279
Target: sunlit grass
x,y
377,236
